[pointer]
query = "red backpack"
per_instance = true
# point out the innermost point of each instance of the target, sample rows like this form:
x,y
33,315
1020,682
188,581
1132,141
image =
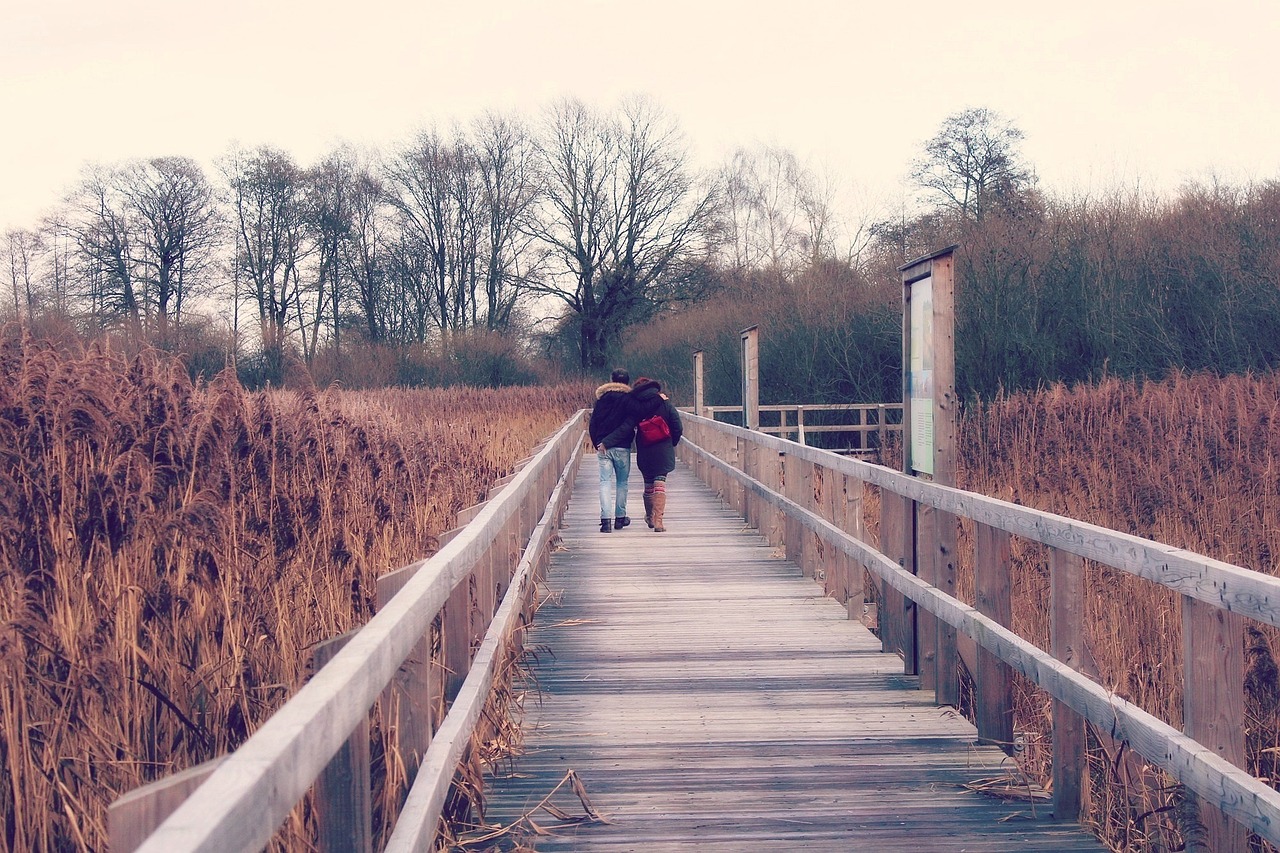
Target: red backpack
x,y
651,430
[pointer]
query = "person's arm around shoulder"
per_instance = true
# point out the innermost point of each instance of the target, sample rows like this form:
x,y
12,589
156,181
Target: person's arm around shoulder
x,y
623,435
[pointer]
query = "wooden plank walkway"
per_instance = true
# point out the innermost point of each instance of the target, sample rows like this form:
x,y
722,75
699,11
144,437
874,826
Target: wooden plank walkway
x,y
707,694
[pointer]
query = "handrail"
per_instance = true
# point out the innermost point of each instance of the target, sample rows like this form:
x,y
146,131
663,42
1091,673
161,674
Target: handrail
x,y
1221,584
243,801
1223,787
415,829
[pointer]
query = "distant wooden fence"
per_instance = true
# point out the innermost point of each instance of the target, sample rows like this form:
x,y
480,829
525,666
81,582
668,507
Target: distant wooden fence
x,y
810,501
868,424
475,591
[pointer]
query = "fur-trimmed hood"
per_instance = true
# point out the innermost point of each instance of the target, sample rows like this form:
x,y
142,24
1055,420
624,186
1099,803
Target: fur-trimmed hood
x,y
612,386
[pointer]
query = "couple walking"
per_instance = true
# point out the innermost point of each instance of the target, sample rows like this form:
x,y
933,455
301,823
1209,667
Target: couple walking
x,y
642,414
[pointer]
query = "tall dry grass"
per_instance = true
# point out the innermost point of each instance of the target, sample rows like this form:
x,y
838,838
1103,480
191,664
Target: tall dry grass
x,y
1191,461
169,553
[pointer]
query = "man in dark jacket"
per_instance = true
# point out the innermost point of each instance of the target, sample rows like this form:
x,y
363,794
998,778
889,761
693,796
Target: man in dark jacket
x,y
612,441
655,443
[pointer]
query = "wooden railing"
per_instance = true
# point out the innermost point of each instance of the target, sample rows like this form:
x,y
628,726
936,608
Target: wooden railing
x,y
320,736
810,501
869,424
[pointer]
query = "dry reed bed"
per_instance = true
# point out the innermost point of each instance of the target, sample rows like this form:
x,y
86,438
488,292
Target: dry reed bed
x,y
1190,461
169,554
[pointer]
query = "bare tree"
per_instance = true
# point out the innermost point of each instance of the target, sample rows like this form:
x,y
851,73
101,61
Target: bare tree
x,y
177,224
98,222
504,153
22,252
428,186
269,217
332,190
363,252
624,216
779,213
973,164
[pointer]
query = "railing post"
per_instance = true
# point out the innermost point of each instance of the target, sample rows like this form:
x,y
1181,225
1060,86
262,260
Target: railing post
x,y
792,531
456,625
771,476
1066,629
927,625
849,517
344,794
993,690
413,695
736,491
829,495
746,465
1213,707
897,542
882,432
800,424
943,558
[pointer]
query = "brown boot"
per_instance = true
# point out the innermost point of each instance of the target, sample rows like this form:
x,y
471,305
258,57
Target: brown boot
x,y
659,507
648,509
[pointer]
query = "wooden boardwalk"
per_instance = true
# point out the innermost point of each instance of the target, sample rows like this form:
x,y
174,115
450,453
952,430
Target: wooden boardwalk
x,y
708,695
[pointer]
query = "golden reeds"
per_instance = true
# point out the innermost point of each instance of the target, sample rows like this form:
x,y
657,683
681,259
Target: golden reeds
x,y
1190,461
170,552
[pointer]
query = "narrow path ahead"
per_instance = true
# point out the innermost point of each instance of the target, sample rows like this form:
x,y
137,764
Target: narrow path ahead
x,y
708,696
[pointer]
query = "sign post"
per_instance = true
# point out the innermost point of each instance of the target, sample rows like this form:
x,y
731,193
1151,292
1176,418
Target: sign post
x,y
699,401
751,377
928,451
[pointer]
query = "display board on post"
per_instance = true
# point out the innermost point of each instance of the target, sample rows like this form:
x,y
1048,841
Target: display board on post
x,y
928,451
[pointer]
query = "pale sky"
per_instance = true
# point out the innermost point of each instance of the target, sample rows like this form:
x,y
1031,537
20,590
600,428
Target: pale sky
x,y
1108,92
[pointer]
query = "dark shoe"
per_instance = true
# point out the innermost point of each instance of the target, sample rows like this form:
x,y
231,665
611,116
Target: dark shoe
x,y
648,510
621,522
606,525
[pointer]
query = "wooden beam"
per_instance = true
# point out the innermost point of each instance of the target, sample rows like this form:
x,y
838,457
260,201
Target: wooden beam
x,y
993,691
242,802
1233,790
344,791
1213,709
135,815
1230,587
1066,629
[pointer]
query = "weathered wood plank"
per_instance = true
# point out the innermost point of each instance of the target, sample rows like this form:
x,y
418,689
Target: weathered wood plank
x,y
135,815
1213,706
415,829
993,588
751,714
1230,788
242,802
1066,630
1239,590
344,792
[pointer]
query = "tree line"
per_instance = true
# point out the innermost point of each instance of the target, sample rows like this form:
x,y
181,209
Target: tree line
x,y
1049,288
592,217
585,236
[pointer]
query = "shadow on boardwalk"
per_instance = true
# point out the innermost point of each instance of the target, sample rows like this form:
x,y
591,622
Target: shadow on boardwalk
x,y
708,696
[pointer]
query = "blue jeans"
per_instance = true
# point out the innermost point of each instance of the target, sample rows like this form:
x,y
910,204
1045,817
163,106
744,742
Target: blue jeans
x,y
615,469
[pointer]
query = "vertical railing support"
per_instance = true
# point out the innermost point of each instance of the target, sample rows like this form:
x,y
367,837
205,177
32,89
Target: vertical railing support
x,y
1213,709
344,791
994,679
1066,629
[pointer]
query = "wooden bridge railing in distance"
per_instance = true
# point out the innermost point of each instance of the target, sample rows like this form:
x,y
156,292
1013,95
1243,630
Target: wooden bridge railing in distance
x,y
319,737
809,501
869,423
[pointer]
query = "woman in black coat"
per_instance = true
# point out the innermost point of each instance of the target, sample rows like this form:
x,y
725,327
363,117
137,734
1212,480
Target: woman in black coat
x,y
655,444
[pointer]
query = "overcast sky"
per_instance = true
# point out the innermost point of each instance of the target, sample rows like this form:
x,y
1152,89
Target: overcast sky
x,y
1107,91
